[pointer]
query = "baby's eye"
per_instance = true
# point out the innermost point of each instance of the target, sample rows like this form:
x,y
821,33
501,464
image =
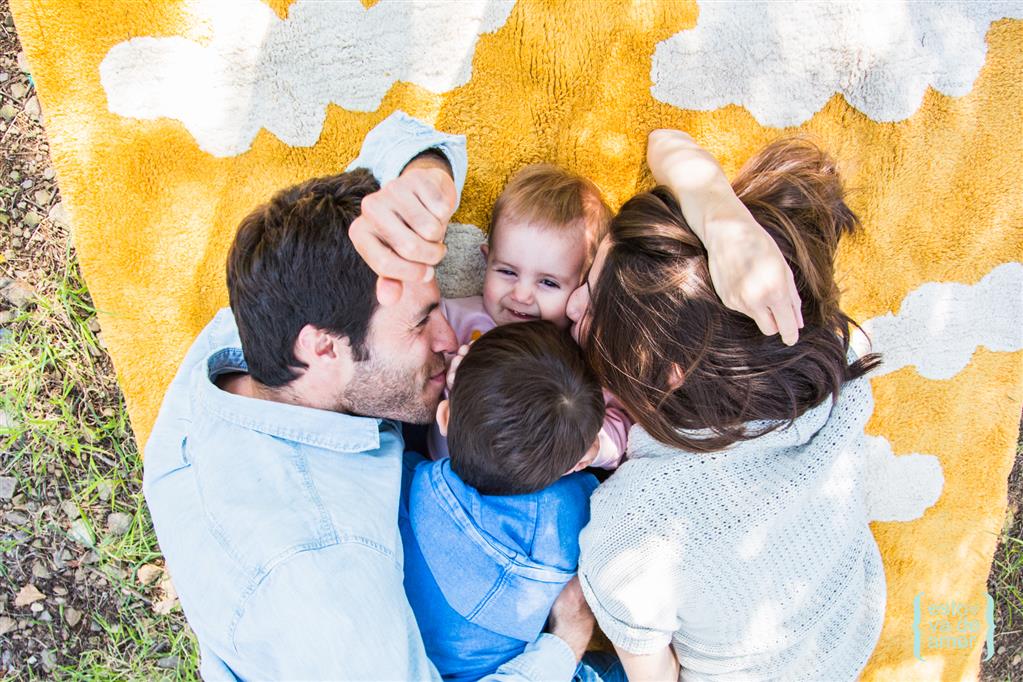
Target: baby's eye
x,y
506,271
550,284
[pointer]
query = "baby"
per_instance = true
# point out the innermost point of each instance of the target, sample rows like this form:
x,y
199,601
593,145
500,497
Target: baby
x,y
490,535
544,232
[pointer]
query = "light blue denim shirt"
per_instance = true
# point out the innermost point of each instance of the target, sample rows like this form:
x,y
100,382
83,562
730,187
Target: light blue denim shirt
x,y
279,523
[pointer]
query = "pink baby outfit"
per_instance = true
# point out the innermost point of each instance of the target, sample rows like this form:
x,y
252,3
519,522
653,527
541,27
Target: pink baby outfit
x,y
470,321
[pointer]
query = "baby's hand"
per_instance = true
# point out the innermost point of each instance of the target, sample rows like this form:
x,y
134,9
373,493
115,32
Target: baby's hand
x,y
456,360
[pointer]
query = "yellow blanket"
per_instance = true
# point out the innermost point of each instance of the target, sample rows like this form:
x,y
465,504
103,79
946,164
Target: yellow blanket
x,y
169,121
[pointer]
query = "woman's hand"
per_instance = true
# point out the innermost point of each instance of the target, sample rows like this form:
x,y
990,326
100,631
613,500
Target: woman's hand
x,y
750,274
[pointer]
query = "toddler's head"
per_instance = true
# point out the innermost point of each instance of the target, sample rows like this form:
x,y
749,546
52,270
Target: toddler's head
x,y
525,409
544,231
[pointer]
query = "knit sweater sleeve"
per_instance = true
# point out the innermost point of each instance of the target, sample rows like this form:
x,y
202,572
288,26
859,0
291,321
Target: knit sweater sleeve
x,y
630,576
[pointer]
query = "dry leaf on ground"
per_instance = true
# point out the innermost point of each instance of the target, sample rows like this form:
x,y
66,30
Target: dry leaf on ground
x,y
27,595
166,596
148,574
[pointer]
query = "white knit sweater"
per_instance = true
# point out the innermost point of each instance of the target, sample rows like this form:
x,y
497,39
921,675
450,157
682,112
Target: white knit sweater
x,y
755,562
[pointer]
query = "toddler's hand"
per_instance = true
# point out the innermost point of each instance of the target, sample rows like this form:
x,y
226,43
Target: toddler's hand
x,y
456,360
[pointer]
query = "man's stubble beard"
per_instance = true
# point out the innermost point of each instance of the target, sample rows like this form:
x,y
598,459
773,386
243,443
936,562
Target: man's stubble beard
x,y
379,390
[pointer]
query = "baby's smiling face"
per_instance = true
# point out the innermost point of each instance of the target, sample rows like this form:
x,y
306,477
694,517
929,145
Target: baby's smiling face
x,y
531,272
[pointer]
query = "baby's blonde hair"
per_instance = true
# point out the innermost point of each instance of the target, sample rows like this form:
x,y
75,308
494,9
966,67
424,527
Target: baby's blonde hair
x,y
551,197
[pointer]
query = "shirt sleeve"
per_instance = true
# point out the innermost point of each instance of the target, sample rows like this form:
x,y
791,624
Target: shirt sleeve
x,y
399,138
613,435
546,658
341,613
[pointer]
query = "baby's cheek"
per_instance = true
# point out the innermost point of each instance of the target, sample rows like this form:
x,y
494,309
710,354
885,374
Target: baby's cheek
x,y
491,294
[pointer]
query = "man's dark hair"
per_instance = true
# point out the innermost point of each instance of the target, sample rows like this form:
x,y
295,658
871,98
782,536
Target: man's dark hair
x,y
525,408
292,264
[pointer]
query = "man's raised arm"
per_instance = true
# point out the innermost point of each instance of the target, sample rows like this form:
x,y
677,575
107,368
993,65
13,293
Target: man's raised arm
x,y
400,233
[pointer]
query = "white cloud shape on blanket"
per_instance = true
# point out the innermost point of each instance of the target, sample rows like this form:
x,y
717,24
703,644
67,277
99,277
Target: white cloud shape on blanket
x,y
259,71
783,61
898,487
940,325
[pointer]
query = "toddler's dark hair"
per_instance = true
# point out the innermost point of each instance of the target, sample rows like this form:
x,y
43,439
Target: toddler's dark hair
x,y
525,408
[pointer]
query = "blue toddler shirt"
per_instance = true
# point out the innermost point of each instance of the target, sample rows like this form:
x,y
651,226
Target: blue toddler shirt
x,y
482,571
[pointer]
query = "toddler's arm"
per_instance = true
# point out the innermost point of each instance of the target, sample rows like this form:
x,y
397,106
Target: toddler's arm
x,y
613,435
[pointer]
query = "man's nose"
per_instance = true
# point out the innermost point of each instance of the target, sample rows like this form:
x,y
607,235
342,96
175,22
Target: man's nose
x,y
444,340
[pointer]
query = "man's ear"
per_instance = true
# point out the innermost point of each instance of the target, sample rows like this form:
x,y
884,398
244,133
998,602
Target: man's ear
x,y
485,250
314,345
443,417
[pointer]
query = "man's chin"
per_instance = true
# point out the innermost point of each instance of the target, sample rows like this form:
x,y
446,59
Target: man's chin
x,y
426,411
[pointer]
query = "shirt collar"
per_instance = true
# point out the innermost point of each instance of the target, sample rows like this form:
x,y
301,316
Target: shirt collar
x,y
306,425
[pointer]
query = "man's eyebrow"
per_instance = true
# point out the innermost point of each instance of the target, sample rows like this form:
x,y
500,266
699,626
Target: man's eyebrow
x,y
427,309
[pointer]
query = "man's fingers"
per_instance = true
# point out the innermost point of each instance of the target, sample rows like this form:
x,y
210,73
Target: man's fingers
x,y
390,229
388,291
411,210
385,262
436,191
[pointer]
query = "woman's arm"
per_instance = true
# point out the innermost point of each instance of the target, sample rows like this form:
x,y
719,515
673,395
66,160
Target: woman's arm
x,y
747,268
642,667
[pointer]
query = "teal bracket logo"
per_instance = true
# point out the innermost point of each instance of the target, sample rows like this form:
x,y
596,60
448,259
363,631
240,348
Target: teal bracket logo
x,y
951,625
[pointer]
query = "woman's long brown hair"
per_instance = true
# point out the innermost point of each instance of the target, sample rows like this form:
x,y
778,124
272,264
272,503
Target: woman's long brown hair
x,y
654,309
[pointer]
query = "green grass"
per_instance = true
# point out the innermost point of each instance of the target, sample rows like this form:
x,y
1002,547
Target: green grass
x,y
1006,585
71,440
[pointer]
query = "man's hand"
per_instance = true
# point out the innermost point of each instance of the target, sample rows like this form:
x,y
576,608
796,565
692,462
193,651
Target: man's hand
x,y
571,619
749,273
400,232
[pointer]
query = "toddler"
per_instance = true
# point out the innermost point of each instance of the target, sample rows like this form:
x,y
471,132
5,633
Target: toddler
x,y
544,232
490,534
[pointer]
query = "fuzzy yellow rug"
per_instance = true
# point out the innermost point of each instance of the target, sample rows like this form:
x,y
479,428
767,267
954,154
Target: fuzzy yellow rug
x,y
169,121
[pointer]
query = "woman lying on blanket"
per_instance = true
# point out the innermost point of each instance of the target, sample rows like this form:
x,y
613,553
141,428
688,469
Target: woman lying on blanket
x,y
735,540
